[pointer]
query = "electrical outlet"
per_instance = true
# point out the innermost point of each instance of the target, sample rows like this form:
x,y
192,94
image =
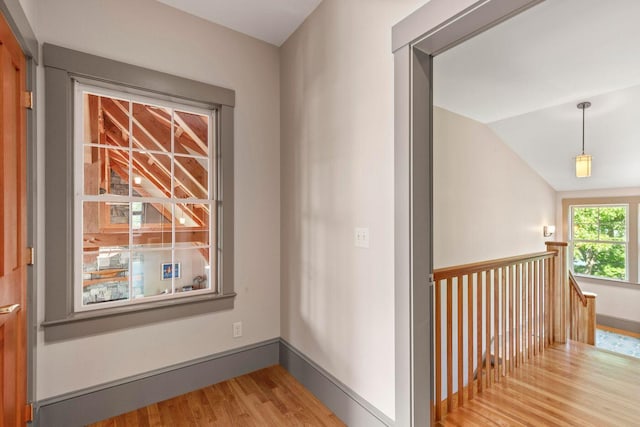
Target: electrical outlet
x,y
237,329
361,237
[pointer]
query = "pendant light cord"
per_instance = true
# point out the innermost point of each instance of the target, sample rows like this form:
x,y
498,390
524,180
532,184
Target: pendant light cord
x,y
583,108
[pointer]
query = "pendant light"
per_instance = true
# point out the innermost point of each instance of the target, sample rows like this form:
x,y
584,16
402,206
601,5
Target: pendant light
x,y
583,161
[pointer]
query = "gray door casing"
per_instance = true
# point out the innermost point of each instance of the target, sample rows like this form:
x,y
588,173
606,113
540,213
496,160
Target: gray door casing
x,y
430,30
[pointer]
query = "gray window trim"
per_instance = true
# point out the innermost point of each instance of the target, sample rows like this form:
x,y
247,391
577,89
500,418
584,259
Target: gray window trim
x,y
62,66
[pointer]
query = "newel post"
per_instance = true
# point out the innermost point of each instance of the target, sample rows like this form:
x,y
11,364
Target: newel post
x,y
559,291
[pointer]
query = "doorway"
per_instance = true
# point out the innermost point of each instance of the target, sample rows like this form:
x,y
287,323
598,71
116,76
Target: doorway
x,y
432,29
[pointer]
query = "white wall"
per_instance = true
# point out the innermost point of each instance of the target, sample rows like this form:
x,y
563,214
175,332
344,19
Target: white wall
x,y
488,203
150,34
337,174
613,300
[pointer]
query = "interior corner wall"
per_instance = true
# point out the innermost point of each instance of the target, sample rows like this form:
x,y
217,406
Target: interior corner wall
x,y
620,302
152,35
337,174
488,203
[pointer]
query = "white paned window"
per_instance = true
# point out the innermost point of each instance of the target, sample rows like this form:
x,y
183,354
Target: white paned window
x,y
599,241
145,184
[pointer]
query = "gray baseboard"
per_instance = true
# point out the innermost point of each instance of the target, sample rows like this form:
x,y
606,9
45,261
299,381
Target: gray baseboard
x,y
616,322
108,400
98,403
351,408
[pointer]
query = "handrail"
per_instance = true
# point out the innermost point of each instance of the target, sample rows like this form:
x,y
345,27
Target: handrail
x,y
576,288
476,267
582,313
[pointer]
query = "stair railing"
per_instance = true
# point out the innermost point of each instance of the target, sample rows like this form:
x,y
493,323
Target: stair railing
x,y
582,313
490,317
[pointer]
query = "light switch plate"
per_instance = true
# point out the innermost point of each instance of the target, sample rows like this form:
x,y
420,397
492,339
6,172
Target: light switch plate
x,y
361,237
237,329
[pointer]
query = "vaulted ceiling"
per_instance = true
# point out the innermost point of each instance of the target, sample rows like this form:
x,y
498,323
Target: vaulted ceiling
x,y
524,78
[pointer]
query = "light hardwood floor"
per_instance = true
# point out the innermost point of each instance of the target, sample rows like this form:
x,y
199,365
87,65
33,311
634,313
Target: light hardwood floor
x,y
269,397
569,385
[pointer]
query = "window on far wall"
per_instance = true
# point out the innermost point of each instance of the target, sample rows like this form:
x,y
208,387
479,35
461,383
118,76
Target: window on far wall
x,y
145,184
599,240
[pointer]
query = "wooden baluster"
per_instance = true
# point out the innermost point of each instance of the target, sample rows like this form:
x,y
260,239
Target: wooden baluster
x,y
518,320
547,307
577,304
512,310
503,320
438,341
530,311
539,299
487,361
548,304
574,317
496,329
576,324
574,308
470,336
479,286
591,318
571,311
449,343
541,303
552,301
584,326
460,345
512,319
534,318
571,314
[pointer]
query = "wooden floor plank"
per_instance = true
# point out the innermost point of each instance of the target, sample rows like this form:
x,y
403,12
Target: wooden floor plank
x,y
568,385
268,397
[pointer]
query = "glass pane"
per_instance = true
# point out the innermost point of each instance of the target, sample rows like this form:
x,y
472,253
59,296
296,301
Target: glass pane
x,y
106,171
151,175
191,133
607,223
151,273
151,128
105,275
191,178
106,121
195,271
585,231
192,224
613,223
600,259
151,224
585,223
105,224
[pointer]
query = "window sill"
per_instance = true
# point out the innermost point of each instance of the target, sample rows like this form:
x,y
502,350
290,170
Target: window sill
x,y
608,282
95,322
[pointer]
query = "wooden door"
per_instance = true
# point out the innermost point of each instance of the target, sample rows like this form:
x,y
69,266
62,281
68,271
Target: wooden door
x,y
13,216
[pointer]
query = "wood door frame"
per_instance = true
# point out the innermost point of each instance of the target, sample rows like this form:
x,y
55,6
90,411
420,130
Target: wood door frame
x,y
19,24
430,30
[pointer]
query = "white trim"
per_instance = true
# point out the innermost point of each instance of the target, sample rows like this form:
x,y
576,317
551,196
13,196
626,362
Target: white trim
x,y
572,241
128,94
